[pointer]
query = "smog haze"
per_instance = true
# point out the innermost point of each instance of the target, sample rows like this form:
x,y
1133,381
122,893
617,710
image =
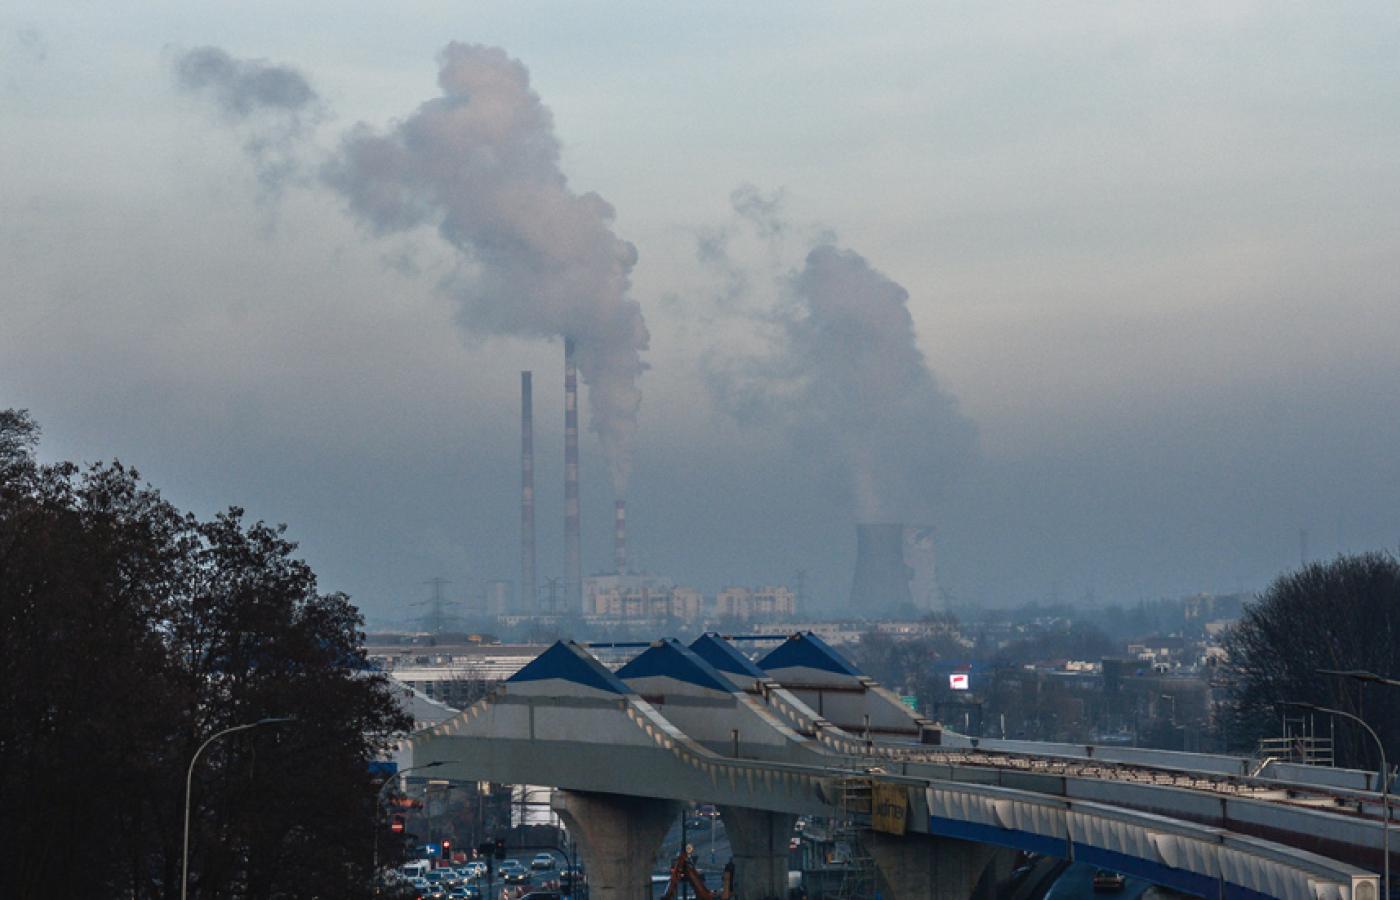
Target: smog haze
x,y
1108,296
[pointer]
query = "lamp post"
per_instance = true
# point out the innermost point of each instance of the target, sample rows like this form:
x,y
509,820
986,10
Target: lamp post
x,y
1385,782
189,782
1360,675
379,798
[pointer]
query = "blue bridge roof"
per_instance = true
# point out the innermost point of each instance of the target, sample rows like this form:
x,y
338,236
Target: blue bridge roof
x,y
806,650
724,656
670,659
570,662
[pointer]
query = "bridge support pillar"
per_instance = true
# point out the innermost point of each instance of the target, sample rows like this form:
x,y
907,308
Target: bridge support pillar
x,y
924,867
618,836
759,841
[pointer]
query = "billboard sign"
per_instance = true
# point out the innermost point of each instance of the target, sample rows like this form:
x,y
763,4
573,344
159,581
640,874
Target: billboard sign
x,y
958,681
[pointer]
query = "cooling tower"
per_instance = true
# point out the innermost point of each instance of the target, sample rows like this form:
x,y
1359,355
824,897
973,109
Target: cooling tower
x,y
882,577
573,563
528,596
920,555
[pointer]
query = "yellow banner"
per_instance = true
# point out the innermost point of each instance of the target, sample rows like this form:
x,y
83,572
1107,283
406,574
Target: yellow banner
x,y
890,808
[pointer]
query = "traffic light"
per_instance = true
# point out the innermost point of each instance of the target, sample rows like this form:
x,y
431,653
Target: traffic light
x,y
446,849
396,824
500,848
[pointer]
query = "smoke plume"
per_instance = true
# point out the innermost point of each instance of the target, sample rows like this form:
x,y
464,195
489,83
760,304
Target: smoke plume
x,y
274,106
481,164
844,381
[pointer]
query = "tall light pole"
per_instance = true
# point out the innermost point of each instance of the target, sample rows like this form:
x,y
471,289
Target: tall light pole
x,y
189,782
1385,782
1360,675
379,799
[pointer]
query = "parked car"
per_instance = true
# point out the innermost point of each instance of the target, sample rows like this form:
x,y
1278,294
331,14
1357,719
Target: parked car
x,y
542,861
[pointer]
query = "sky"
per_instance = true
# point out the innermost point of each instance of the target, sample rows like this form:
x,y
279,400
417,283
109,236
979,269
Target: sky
x,y
1105,294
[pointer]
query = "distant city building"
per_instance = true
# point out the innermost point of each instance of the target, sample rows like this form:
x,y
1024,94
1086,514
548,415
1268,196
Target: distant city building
x,y
758,604
636,599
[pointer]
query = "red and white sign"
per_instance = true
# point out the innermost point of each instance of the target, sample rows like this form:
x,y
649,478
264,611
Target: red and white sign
x,y
957,681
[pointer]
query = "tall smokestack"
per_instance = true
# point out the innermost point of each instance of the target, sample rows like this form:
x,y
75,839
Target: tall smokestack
x,y
529,600
573,554
620,536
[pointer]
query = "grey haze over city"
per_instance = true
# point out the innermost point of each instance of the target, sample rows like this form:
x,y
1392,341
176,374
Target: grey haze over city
x,y
1108,296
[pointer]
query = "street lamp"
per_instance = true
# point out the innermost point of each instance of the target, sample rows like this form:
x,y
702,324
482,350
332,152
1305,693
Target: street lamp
x,y
189,781
1360,675
379,798
1385,780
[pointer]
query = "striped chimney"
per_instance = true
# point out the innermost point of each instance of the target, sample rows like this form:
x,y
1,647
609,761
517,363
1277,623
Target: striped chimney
x,y
528,597
573,553
620,536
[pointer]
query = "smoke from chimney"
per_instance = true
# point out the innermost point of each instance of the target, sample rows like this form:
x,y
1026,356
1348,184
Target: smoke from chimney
x,y
481,164
843,380
573,563
528,597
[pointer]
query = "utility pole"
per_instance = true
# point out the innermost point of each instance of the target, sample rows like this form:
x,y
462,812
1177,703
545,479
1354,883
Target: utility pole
x,y
437,606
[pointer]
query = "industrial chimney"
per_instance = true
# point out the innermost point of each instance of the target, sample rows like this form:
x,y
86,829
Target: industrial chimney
x,y
573,568
620,536
528,598
882,577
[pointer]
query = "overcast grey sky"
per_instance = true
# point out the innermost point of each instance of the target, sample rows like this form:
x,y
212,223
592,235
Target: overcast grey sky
x,y
1107,293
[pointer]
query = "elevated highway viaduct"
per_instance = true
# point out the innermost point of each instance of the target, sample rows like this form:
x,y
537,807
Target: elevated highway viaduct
x,y
803,733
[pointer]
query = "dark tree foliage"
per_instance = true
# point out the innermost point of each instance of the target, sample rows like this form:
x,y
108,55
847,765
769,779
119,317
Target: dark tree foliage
x,y
1078,640
129,633
1343,614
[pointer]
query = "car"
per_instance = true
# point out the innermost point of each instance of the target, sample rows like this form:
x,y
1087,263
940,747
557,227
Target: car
x,y
542,861
569,874
543,895
475,869
1108,882
465,892
512,872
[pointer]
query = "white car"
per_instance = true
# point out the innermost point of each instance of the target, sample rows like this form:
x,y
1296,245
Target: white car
x,y
474,869
542,861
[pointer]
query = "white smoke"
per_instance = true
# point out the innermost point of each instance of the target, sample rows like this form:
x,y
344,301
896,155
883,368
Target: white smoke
x,y
841,375
481,164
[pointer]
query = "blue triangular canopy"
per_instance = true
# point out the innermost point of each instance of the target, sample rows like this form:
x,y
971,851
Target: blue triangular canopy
x,y
807,651
724,656
570,662
670,659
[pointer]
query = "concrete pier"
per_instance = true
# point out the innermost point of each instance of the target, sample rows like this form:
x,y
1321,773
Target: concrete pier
x,y
922,867
618,837
759,841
